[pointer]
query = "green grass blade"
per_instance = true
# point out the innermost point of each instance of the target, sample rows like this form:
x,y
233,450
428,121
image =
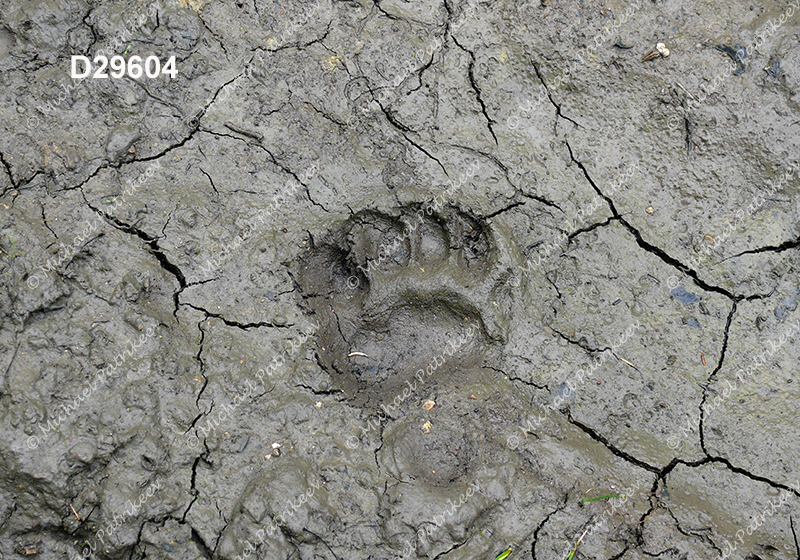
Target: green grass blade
x,y
577,544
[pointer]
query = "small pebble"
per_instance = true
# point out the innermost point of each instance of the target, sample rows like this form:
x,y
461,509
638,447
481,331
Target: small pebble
x,y
83,452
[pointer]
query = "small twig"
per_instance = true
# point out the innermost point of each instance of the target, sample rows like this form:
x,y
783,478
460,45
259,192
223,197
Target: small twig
x,y
686,90
75,512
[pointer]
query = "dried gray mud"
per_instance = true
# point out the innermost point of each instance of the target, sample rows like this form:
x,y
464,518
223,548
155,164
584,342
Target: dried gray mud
x,y
239,289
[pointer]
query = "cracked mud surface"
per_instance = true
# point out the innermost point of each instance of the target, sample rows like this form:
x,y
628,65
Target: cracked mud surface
x,y
315,211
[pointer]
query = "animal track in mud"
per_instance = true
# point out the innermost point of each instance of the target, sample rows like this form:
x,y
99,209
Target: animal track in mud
x,y
393,292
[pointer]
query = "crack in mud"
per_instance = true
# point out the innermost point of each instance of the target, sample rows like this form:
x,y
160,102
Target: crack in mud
x,y
502,210
687,126
654,250
199,358
525,382
213,34
579,343
421,71
552,101
320,112
299,47
730,466
663,472
591,227
504,168
785,246
16,345
314,202
653,501
476,89
714,373
237,324
541,525
739,470
44,219
688,533
377,5
272,157
403,130
207,553
154,249
456,546
611,447
120,164
7,168
194,499
193,124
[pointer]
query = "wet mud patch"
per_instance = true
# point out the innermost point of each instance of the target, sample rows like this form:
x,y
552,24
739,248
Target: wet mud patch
x,y
745,514
758,388
606,331
303,112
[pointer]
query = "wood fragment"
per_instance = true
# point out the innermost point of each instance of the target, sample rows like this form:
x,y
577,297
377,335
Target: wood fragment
x,y
686,90
75,512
